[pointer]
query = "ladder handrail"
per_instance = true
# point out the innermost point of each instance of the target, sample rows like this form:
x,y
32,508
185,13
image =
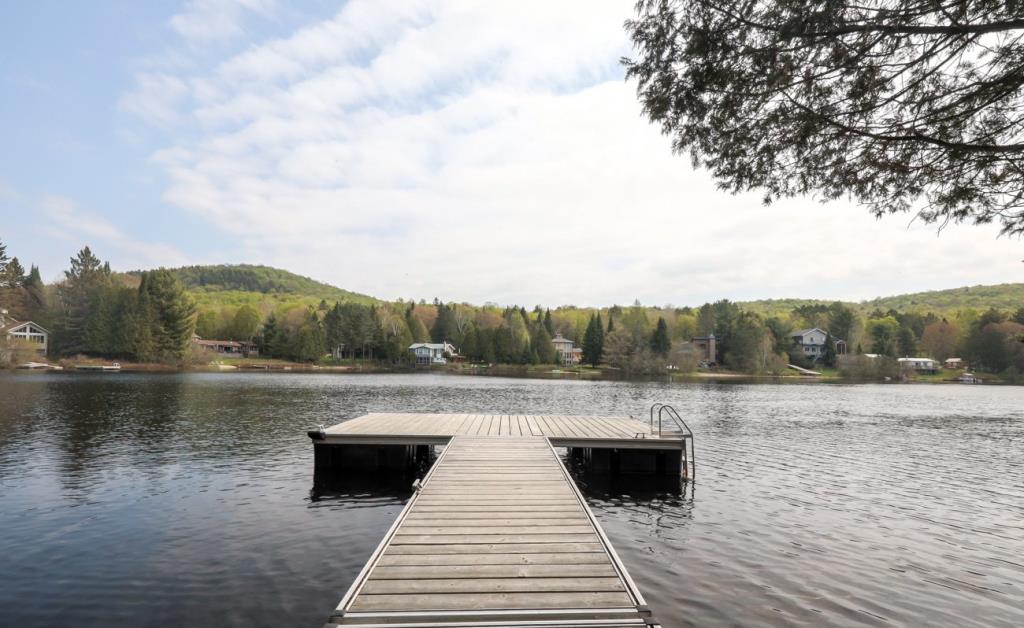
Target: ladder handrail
x,y
683,428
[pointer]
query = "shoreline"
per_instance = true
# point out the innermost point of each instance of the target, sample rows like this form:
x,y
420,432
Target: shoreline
x,y
494,370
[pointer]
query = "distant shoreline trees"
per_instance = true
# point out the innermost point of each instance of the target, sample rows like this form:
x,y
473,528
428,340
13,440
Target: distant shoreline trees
x,y
150,316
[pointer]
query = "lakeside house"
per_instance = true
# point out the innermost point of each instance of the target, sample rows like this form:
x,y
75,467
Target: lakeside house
x,y
27,331
707,349
811,343
568,353
954,364
919,365
227,348
428,353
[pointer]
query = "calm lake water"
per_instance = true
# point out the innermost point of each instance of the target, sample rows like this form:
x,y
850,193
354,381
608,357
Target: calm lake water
x,y
173,500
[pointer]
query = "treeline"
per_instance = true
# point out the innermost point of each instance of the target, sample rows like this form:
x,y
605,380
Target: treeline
x,y
98,312
151,316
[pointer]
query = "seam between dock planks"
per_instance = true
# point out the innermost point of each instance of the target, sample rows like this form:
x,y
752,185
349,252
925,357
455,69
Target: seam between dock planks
x,y
428,571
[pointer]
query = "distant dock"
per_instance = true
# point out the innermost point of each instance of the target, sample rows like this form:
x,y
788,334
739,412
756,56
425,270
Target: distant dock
x,y
497,533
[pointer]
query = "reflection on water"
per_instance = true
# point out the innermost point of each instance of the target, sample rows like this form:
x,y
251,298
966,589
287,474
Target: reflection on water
x,y
186,499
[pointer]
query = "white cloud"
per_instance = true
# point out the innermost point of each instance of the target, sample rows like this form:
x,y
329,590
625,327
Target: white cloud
x,y
156,98
67,221
493,152
205,20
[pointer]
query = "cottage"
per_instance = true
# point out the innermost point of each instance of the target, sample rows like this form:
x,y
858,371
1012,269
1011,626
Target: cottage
x,y
954,363
568,353
811,343
27,331
706,348
227,347
919,365
427,353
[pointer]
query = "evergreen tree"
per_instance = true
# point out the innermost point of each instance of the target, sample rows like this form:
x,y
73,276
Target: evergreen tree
x,y
906,341
828,357
593,341
418,329
13,274
268,342
173,313
36,292
660,342
542,347
86,275
611,323
549,325
486,346
309,343
3,256
99,321
444,325
333,333
135,329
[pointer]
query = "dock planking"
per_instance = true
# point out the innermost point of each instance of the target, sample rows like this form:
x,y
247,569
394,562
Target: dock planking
x,y
436,429
497,535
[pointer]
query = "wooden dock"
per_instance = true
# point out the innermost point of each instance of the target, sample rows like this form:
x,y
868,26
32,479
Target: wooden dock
x,y
496,535
562,431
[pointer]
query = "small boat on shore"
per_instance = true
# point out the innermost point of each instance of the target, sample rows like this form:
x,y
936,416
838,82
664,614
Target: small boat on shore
x,y
98,367
968,378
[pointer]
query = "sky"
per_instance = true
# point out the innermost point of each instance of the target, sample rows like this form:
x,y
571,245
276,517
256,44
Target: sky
x,y
477,152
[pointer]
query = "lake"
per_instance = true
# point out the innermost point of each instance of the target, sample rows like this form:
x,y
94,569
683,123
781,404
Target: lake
x,y
185,499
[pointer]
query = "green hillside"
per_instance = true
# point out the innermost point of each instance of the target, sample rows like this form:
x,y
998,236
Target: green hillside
x,y
1002,296
234,284
1006,296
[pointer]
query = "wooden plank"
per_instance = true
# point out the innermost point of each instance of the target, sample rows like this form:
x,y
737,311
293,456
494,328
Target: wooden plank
x,y
495,508
490,585
477,601
494,559
442,539
420,522
487,570
504,548
474,530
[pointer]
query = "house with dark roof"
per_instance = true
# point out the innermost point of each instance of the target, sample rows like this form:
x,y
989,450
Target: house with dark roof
x,y
811,343
27,331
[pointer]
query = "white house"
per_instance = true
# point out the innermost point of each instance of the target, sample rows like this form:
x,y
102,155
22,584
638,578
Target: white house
x,y
24,330
432,352
811,342
567,352
921,365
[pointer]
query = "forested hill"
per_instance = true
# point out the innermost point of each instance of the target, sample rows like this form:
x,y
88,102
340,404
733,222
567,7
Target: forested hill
x,y
236,283
1006,296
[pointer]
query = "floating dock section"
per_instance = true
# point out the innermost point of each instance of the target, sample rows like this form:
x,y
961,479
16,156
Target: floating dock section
x,y
497,533
614,445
